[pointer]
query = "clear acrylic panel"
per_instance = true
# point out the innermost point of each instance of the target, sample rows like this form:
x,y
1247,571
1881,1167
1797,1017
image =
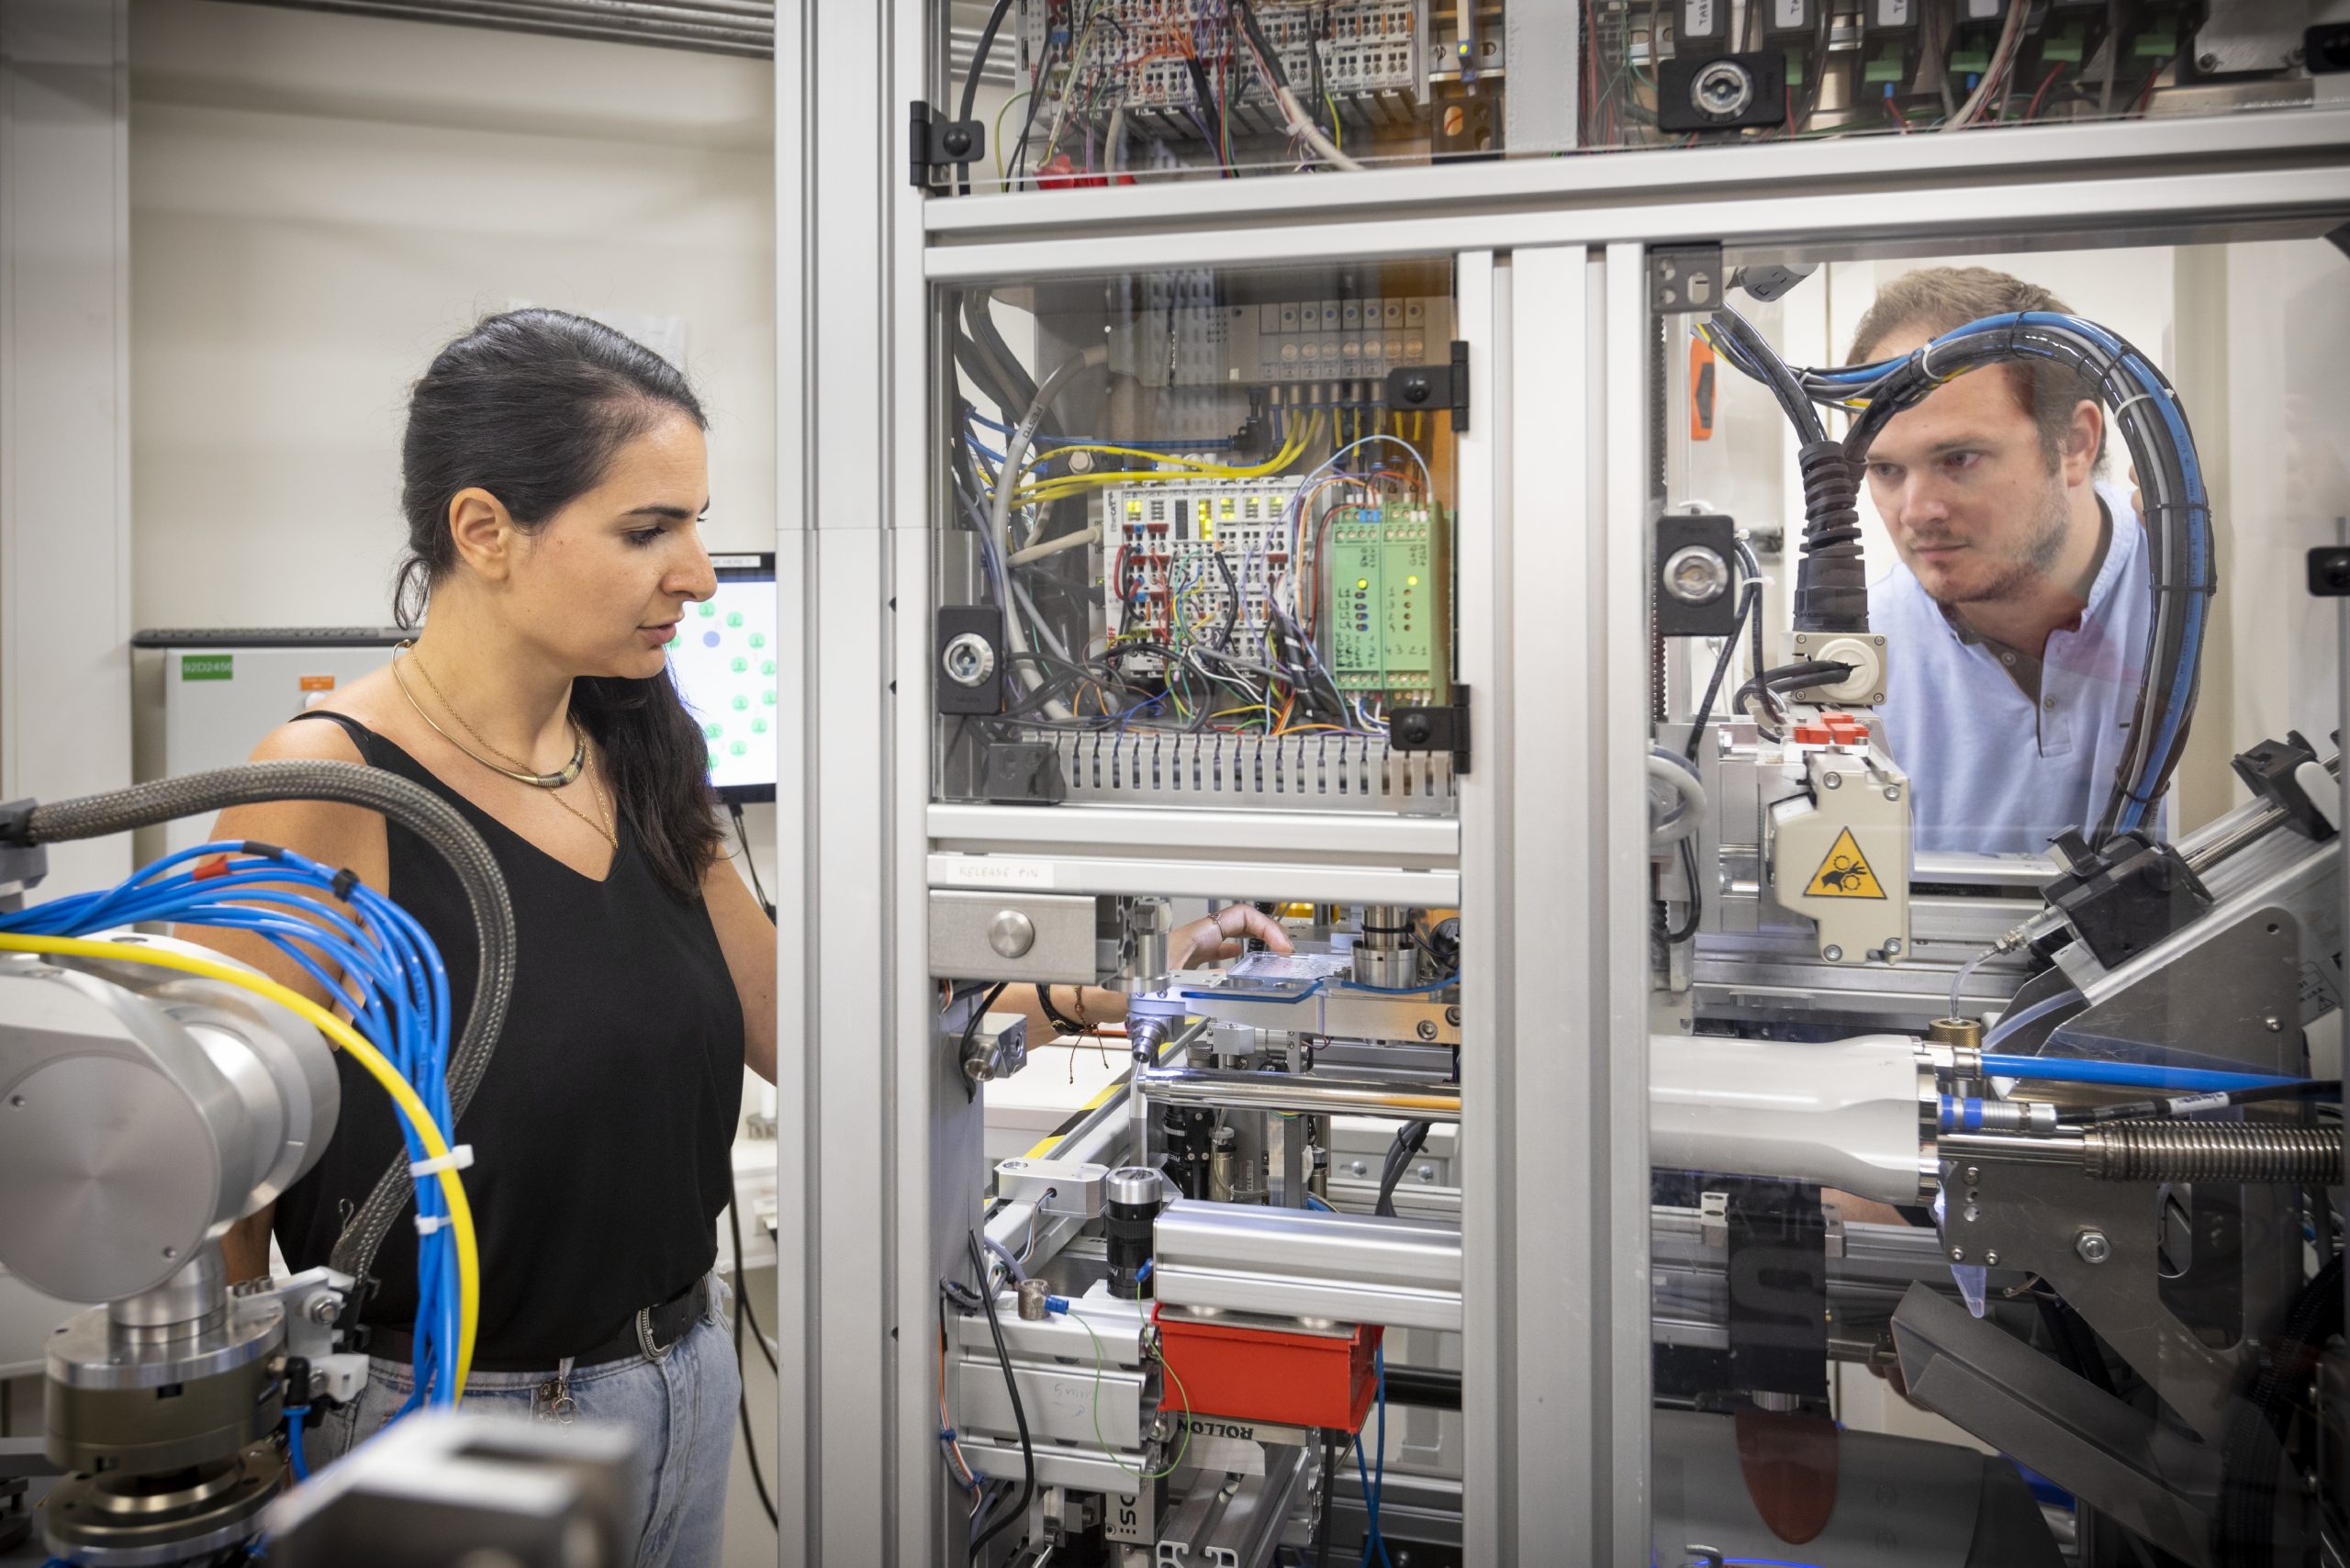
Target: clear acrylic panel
x,y
1198,549
1086,94
1998,910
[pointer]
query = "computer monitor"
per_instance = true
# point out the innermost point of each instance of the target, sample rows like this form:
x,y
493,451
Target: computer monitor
x,y
724,660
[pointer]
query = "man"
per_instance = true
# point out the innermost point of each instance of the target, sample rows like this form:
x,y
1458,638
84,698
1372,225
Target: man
x,y
2017,618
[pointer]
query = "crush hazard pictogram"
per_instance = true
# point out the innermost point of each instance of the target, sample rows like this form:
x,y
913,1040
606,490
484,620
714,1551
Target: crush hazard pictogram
x,y
1845,873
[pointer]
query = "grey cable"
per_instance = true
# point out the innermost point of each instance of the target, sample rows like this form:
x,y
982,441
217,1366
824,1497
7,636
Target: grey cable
x,y
413,807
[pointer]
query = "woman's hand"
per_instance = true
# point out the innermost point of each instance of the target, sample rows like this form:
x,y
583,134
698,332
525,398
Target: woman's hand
x,y
1218,937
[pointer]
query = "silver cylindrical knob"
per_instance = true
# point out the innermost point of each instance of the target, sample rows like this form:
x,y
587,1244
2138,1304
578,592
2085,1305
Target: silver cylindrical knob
x,y
1134,1184
1696,575
1011,934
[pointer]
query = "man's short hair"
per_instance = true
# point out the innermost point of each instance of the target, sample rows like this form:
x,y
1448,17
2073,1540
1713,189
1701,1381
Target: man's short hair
x,y
1941,299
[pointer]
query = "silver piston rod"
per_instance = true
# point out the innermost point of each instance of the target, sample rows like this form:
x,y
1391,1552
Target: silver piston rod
x,y
1317,1092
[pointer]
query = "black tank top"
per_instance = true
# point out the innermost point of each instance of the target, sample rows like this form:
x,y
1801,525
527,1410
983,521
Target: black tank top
x,y
601,1132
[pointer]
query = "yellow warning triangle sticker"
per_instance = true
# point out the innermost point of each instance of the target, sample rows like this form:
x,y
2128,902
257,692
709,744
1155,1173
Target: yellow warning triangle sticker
x,y
1845,873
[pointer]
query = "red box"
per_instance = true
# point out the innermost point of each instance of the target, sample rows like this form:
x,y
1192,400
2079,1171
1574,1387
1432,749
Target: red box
x,y
1262,1374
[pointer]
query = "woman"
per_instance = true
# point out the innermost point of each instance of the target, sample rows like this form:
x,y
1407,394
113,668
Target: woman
x,y
553,478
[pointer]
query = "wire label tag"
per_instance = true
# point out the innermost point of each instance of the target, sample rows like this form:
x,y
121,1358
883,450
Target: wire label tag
x,y
1845,873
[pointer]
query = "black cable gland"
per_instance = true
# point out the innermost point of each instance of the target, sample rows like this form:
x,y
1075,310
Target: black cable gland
x,y
1126,1232
1832,579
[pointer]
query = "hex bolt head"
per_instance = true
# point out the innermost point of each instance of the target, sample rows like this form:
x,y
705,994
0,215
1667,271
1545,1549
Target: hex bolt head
x,y
1452,1015
1832,953
1990,1259
1974,1175
1426,1172
1834,781
2093,1246
1892,945
1958,1254
322,1311
1427,1029
1893,791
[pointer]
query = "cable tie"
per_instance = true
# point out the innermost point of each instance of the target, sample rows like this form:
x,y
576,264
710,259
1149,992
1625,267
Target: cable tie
x,y
458,1159
2122,409
427,1224
344,880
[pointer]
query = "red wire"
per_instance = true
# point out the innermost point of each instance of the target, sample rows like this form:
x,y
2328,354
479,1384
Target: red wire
x,y
2031,111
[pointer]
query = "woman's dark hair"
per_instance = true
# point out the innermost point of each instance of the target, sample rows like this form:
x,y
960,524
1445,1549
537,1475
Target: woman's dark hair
x,y
532,406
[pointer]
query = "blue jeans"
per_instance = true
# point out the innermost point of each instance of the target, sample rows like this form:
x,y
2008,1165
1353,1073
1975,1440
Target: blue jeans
x,y
680,1410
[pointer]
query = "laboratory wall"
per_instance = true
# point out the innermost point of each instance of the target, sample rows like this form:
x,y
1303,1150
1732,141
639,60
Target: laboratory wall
x,y
319,202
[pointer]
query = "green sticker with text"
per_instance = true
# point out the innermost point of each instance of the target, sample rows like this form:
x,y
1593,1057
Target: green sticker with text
x,y
207,666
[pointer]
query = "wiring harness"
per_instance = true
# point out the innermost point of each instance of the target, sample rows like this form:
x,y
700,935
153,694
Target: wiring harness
x,y
386,973
392,948
1024,501
2146,410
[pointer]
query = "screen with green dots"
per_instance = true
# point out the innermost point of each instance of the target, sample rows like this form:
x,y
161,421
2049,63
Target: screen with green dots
x,y
1392,594
724,661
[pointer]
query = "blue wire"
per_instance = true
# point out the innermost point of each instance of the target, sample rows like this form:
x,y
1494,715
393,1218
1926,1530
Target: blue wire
x,y
401,1007
1313,1202
2125,1074
1374,1485
293,1442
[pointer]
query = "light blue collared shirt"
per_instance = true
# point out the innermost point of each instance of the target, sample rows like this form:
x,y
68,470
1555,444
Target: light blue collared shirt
x,y
1992,772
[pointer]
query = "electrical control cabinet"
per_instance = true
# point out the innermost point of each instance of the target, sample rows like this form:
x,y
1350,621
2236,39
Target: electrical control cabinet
x,y
1220,593
1103,92
1728,1152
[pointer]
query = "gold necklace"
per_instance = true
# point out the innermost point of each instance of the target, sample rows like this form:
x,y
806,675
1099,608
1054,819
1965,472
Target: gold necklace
x,y
556,780
612,834
582,764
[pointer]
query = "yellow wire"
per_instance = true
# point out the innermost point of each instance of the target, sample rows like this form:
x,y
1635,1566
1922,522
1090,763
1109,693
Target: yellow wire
x,y
999,133
1188,468
461,1214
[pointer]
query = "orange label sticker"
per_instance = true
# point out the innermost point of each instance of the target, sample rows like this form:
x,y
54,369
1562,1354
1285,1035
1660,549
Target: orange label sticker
x,y
318,683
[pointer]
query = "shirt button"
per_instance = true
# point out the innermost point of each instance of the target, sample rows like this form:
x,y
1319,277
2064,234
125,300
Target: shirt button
x,y
2009,660
2049,703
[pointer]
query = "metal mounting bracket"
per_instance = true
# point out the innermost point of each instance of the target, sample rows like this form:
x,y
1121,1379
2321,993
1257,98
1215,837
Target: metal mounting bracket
x,y
1420,389
935,144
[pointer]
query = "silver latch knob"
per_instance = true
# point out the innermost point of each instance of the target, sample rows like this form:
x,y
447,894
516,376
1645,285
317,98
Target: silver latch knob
x,y
1011,933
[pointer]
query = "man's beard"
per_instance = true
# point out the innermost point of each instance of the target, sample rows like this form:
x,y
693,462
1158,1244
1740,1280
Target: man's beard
x,y
2019,575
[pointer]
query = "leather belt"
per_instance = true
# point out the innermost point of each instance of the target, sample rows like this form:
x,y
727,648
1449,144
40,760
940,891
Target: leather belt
x,y
651,1332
